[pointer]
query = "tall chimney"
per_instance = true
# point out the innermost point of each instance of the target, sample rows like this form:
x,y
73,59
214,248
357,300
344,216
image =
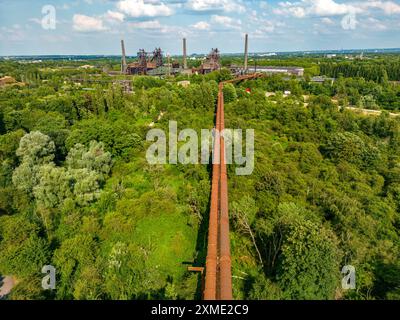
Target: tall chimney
x,y
184,54
246,52
123,62
169,65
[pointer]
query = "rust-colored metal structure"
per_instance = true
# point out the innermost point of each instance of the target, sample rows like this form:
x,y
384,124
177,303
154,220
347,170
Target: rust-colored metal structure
x,y
210,291
225,276
145,62
218,275
142,61
211,63
157,57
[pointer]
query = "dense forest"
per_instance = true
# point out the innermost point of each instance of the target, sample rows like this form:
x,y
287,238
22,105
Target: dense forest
x,y
323,195
77,192
379,70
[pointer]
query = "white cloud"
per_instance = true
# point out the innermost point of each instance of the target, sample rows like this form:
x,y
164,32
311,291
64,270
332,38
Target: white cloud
x,y
227,22
320,8
297,12
215,5
140,8
114,16
35,20
327,21
374,24
152,24
328,8
201,25
391,7
222,19
388,7
154,28
82,23
13,33
290,9
267,27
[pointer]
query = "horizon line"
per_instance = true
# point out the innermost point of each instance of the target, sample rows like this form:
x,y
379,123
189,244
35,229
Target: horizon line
x,y
202,53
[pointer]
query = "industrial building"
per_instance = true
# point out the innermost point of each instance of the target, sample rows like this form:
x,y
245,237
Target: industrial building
x,y
294,71
146,62
322,79
153,64
211,63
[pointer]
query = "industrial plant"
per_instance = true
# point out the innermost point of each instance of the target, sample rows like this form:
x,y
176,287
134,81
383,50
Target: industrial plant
x,y
155,63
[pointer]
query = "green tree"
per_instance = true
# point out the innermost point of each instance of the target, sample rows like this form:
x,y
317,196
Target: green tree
x,y
53,187
86,185
244,213
25,177
308,265
230,94
36,147
71,260
93,159
23,251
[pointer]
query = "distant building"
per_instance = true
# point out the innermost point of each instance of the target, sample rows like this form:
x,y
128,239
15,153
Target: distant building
x,y
146,62
295,71
322,79
164,70
211,63
137,68
272,54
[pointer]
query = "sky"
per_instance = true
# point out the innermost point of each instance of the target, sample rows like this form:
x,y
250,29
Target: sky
x,y
50,27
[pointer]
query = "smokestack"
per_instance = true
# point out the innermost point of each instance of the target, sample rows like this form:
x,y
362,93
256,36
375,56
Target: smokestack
x,y
246,48
123,62
184,54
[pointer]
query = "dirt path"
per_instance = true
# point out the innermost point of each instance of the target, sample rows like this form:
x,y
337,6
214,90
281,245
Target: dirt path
x,y
7,283
370,112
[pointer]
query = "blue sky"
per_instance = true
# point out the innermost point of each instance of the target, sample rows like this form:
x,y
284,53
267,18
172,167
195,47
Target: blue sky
x,y
96,26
